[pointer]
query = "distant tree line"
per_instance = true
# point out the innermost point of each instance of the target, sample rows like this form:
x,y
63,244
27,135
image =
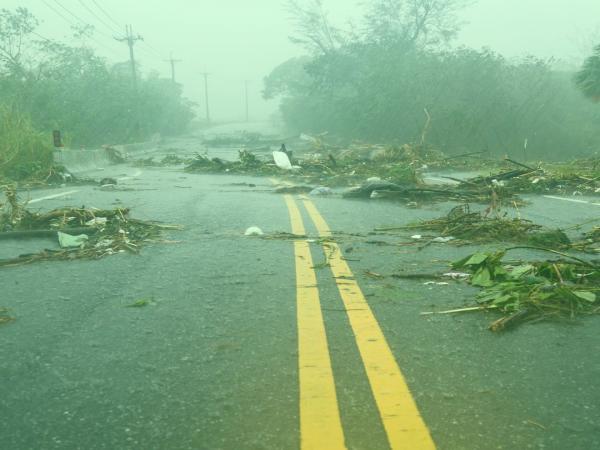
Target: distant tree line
x,y
394,72
70,88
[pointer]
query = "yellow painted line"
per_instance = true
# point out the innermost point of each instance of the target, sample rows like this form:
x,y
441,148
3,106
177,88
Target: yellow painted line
x,y
320,422
401,419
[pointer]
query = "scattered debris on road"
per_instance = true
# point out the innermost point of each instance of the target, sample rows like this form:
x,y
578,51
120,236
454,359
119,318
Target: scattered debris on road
x,y
106,232
465,226
253,231
528,291
4,317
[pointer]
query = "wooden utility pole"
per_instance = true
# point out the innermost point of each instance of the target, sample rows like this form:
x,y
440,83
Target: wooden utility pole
x,y
173,61
247,106
205,74
131,40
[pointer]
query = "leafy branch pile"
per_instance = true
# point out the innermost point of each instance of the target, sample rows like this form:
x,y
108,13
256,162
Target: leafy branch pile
x,y
105,232
248,164
590,243
577,177
464,225
168,160
533,291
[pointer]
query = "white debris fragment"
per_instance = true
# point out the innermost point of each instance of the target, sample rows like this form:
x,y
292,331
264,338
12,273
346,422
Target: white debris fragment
x,y
69,241
321,190
254,231
457,275
416,236
96,221
282,160
443,240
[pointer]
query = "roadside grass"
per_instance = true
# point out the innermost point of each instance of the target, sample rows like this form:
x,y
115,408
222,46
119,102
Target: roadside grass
x,y
24,151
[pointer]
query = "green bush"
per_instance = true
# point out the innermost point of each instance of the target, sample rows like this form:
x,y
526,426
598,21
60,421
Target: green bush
x,y
23,149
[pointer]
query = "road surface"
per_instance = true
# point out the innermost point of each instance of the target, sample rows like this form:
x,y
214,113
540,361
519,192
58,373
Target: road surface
x,y
253,343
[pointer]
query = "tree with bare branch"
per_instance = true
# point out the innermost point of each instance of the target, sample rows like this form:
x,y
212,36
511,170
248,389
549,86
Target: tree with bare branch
x,y
15,29
422,23
312,28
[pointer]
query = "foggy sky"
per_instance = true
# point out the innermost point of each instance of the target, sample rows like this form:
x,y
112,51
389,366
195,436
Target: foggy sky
x,y
237,40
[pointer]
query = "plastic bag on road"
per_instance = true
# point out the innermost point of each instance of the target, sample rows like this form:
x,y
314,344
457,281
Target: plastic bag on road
x,y
69,241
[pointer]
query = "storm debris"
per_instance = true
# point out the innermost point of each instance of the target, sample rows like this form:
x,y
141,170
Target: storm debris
x,y
5,317
464,225
525,291
107,232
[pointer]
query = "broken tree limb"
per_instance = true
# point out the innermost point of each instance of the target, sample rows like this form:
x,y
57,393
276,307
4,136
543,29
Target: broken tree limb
x,y
459,310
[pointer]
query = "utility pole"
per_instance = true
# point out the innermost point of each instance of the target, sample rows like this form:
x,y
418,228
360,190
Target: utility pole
x,y
173,61
205,74
131,40
247,107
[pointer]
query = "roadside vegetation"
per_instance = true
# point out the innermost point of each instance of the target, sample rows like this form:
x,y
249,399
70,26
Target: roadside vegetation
x,y
48,85
396,70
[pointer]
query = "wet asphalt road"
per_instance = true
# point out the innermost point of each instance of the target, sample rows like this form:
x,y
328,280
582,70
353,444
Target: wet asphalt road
x,y
211,363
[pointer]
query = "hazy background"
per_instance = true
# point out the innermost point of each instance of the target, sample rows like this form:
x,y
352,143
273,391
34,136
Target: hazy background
x,y
237,40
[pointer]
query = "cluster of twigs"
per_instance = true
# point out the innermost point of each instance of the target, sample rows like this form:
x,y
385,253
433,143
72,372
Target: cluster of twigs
x,y
108,231
464,225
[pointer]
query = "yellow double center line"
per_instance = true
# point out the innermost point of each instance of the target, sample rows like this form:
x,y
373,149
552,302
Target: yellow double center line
x,y
320,424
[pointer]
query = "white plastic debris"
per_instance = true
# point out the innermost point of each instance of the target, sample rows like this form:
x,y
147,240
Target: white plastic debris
x,y
443,240
498,183
254,231
104,243
282,161
321,190
416,236
457,275
69,241
96,221
437,283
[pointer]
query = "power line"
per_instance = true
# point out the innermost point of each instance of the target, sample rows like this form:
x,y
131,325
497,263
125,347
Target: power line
x,y
107,14
41,37
57,12
80,20
100,19
157,53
